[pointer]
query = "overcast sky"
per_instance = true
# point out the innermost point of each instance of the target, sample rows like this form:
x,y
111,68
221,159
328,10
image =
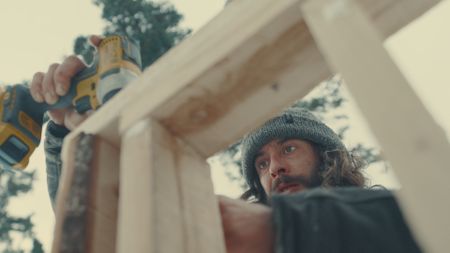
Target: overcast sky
x,y
38,33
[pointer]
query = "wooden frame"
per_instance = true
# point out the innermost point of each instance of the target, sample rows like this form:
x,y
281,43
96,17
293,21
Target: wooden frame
x,y
253,59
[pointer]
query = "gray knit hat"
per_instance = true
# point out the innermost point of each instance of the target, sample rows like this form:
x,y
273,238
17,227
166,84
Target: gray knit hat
x,y
292,123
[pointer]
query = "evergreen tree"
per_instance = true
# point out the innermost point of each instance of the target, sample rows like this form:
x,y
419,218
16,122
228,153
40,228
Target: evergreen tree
x,y
153,25
14,184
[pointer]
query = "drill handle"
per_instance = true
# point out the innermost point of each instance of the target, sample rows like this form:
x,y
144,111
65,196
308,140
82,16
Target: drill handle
x,y
74,96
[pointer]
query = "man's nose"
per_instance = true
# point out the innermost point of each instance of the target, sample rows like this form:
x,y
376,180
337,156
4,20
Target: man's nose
x,y
277,167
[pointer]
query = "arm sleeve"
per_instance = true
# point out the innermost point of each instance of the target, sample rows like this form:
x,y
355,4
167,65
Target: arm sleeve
x,y
342,220
54,137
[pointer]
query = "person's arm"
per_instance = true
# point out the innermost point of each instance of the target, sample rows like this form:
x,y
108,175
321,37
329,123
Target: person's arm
x,y
247,227
346,220
48,87
54,137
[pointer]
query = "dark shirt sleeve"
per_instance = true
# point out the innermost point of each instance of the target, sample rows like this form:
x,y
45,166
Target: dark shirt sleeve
x,y
342,220
54,137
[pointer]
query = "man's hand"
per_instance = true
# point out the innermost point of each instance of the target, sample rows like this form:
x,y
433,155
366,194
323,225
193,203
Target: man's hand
x,y
247,227
48,87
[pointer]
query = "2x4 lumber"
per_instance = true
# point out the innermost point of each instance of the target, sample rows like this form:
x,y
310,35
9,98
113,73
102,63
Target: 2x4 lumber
x,y
105,197
223,86
167,202
63,195
387,15
88,191
227,82
251,60
149,205
412,141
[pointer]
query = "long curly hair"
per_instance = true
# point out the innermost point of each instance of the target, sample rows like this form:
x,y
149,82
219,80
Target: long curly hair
x,y
337,168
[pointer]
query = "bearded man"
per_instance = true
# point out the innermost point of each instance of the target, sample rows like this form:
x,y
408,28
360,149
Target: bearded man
x,y
307,194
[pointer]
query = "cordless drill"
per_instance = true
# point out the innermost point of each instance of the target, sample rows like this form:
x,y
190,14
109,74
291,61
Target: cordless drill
x,y
115,64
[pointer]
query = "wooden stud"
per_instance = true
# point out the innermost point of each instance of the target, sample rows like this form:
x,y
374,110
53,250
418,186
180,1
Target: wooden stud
x,y
87,197
167,202
412,141
68,159
105,190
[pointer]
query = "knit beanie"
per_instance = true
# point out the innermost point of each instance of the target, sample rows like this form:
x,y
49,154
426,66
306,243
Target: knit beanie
x,y
294,123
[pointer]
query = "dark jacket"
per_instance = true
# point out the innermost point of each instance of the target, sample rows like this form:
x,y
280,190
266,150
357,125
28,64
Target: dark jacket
x,y
341,220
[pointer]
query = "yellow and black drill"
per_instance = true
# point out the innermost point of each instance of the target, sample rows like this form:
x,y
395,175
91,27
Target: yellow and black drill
x,y
115,64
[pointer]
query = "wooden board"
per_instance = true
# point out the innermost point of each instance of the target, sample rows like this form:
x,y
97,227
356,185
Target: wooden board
x,y
167,202
250,61
105,194
67,174
413,142
87,198
244,75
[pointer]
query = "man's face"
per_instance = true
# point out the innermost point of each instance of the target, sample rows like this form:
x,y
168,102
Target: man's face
x,y
287,166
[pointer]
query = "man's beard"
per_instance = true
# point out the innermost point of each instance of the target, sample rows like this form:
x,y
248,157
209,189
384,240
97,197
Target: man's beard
x,y
307,182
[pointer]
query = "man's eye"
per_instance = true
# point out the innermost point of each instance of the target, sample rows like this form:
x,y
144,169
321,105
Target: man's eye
x,y
261,165
289,149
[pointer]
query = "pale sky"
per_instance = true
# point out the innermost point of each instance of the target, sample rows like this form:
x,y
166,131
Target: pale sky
x,y
38,33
